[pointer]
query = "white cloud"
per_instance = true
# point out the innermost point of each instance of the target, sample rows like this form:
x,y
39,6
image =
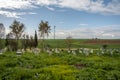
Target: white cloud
x,y
14,14
11,14
47,2
83,24
16,4
108,35
106,32
94,6
50,8
7,5
32,13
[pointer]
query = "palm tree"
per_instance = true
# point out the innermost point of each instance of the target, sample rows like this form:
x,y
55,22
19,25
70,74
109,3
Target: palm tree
x,y
44,30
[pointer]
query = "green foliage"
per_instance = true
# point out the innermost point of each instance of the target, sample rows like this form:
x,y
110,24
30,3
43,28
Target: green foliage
x,y
62,66
44,30
69,42
17,29
2,44
77,43
35,39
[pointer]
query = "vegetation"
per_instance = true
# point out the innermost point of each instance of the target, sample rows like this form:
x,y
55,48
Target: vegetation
x,y
36,39
82,43
17,29
62,66
44,30
25,57
69,42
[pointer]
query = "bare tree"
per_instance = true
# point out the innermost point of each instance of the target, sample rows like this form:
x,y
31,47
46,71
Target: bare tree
x,y
69,42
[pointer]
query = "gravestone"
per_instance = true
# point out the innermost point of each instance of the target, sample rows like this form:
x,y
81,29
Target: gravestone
x,y
86,51
1,52
19,52
49,52
73,52
68,51
91,51
57,51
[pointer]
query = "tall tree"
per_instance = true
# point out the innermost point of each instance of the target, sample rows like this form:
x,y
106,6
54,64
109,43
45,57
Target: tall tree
x,y
7,40
44,30
10,43
17,29
36,39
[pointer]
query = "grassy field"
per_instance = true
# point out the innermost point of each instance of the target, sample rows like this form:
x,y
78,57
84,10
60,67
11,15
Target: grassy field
x,y
62,66
83,43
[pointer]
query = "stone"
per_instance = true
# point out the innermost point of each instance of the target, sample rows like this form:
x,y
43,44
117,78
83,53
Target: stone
x,y
73,52
19,52
1,52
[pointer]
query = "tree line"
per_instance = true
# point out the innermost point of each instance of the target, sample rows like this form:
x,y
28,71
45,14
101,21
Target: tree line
x,y
17,39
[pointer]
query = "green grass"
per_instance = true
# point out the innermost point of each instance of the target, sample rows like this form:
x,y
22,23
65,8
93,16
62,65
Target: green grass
x,y
62,66
78,43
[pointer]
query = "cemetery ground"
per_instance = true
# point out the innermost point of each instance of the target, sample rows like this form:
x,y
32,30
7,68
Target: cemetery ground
x,y
85,61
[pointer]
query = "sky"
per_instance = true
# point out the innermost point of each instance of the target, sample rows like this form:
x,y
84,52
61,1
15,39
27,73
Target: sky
x,y
79,19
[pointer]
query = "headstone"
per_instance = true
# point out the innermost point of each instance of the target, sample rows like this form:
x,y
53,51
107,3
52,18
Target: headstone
x,y
19,52
57,51
1,52
36,51
73,52
69,51
80,51
111,53
23,51
86,51
53,50
102,52
49,52
98,53
91,51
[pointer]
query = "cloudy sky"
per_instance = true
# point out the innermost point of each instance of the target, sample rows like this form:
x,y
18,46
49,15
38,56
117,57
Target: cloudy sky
x,y
76,18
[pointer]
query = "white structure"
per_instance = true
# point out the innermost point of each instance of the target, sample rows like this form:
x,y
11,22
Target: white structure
x,y
1,52
35,50
19,52
73,52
